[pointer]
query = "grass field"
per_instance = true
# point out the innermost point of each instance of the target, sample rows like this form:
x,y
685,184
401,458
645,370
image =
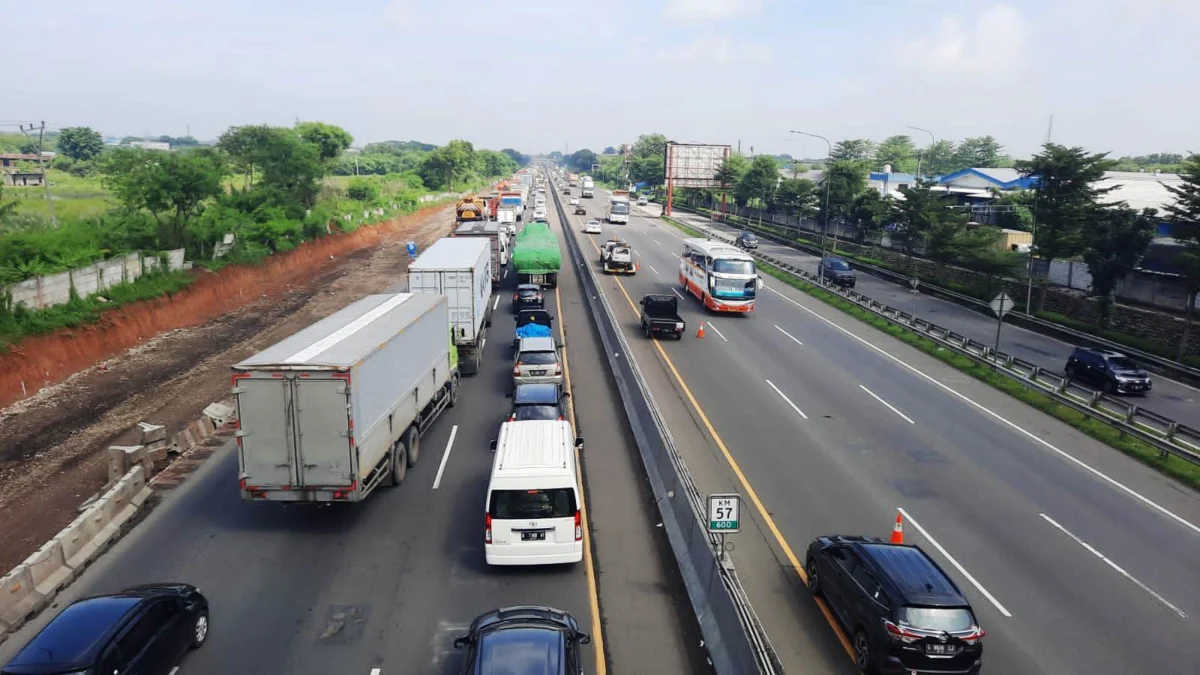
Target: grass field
x,y
75,198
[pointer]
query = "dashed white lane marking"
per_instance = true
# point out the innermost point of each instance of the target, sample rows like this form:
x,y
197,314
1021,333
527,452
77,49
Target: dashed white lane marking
x,y
710,325
954,562
788,400
676,292
437,480
889,405
793,337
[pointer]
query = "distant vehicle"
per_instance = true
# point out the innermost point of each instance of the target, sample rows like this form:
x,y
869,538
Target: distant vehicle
x,y
839,272
592,227
1111,371
566,191
528,296
539,213
660,316
537,361
642,201
581,210
470,209
588,187
524,641
144,629
574,201
533,514
498,236
746,240
460,269
538,402
618,206
904,613
721,276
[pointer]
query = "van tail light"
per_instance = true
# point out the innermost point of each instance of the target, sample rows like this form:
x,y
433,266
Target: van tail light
x,y
558,369
578,526
900,633
487,529
516,297
516,370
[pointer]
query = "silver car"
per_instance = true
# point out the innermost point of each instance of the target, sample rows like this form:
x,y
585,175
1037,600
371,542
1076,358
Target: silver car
x,y
537,362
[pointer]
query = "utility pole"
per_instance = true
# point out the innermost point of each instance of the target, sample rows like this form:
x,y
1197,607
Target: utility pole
x,y
827,178
42,165
932,142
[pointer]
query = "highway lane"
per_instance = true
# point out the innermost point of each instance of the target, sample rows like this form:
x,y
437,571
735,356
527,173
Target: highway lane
x,y
979,487
1180,402
384,584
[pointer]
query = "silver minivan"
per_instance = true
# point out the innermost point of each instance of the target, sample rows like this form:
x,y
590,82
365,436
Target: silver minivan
x,y
537,361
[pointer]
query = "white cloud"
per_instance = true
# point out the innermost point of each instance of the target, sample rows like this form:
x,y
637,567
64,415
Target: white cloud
x,y
717,50
990,48
401,13
710,10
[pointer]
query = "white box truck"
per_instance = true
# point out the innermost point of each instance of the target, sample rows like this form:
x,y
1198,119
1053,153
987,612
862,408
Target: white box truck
x,y
338,409
459,268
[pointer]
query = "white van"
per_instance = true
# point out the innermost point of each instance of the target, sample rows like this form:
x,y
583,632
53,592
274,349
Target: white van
x,y
533,500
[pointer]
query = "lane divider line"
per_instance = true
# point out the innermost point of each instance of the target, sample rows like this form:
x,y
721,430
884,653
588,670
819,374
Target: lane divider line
x,y
495,303
788,400
437,480
676,292
1007,422
652,269
962,570
793,337
889,405
1088,547
714,328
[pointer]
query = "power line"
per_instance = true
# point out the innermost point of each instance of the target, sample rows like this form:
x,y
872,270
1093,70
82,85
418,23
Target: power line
x,y
42,165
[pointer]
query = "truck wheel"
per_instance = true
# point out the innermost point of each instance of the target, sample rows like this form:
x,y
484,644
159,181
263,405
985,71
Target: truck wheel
x,y
412,441
453,391
399,463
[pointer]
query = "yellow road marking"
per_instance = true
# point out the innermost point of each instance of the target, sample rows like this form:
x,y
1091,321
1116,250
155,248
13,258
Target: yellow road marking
x,y
737,470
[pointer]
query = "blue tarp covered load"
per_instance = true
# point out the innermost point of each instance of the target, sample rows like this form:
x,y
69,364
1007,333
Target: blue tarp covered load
x,y
531,330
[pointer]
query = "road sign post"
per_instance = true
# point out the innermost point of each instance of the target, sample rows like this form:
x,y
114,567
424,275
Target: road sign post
x,y
915,283
724,517
1001,305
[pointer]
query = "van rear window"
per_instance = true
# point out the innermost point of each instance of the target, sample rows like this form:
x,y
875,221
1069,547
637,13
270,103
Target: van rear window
x,y
518,504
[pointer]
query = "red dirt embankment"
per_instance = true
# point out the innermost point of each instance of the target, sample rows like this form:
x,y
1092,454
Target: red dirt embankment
x,y
42,360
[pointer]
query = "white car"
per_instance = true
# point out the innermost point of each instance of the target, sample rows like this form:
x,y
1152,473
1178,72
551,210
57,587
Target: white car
x,y
539,213
574,201
642,201
592,227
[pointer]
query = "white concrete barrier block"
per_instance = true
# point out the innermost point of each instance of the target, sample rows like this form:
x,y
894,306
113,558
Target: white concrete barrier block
x,y
49,568
18,598
219,413
151,432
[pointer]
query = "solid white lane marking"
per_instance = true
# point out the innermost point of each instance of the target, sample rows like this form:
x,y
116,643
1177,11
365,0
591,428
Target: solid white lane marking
x,y
788,400
676,292
375,671
495,303
505,272
437,480
962,570
714,328
1113,565
889,405
793,337
652,269
1013,425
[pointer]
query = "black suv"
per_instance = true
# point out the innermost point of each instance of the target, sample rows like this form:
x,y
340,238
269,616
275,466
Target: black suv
x,y
838,271
1111,371
526,640
746,240
904,614
145,629
528,296
538,401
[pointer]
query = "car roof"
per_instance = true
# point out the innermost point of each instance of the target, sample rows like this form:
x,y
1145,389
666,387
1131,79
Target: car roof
x,y
912,574
540,393
529,287
524,650
74,638
537,344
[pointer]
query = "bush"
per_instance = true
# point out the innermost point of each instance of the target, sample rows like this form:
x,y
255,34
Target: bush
x,y
362,190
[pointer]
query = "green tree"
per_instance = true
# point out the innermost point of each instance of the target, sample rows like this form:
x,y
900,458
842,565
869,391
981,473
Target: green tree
x,y
362,190
797,196
518,158
868,214
6,208
581,160
1014,210
977,152
1184,212
171,187
979,248
330,140
1114,240
853,149
938,159
759,181
898,151
447,164
925,215
80,143
648,169
246,147
609,150
847,180
650,145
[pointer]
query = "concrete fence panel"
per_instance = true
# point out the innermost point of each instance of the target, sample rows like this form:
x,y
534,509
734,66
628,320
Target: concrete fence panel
x,y
86,280
18,598
26,292
48,568
55,289
112,272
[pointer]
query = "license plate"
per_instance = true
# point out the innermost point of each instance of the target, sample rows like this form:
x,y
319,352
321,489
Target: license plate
x,y
534,536
537,372
937,649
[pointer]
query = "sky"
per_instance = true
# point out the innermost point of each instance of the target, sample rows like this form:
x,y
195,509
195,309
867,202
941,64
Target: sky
x,y
543,75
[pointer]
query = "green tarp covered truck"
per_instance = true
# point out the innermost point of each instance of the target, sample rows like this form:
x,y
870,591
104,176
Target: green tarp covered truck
x,y
536,256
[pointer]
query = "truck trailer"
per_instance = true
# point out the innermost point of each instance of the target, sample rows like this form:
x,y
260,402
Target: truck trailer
x,y
498,235
338,409
461,270
588,188
536,256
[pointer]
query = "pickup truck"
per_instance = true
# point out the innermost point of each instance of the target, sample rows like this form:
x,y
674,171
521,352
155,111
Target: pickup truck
x,y
617,256
660,316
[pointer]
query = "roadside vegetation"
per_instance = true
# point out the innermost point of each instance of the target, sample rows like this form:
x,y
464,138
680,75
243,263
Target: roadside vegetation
x,y
272,188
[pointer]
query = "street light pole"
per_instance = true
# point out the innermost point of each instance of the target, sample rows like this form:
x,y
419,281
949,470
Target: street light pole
x,y
825,227
932,142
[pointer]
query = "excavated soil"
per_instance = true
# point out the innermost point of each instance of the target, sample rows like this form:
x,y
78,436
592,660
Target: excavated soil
x,y
167,359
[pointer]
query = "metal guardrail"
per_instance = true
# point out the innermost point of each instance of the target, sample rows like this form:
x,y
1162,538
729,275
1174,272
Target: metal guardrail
x,y
736,642
1167,435
1154,363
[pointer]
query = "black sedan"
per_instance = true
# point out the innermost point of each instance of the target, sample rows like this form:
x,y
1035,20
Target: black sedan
x,y
528,296
145,629
523,640
747,240
538,402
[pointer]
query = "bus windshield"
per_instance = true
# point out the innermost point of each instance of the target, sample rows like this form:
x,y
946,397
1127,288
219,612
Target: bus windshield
x,y
620,208
733,266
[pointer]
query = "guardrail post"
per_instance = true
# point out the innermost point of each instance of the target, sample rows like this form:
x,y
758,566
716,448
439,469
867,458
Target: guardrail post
x,y
1095,399
1130,414
1008,361
1172,428
1062,388
1033,374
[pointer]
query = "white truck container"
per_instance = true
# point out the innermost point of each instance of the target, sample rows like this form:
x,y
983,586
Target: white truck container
x,y
459,268
338,409
588,189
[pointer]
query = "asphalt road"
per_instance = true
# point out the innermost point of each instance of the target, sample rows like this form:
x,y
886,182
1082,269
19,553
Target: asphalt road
x,y
1079,559
387,584
1180,402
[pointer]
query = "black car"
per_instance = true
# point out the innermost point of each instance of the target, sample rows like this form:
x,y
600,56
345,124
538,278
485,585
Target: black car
x,y
538,401
523,641
838,271
145,630
528,296
903,612
1111,371
746,240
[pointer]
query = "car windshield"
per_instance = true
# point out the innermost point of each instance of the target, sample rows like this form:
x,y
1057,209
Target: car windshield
x,y
748,236
839,265
519,651
535,412
952,619
537,359
523,504
1121,363
733,266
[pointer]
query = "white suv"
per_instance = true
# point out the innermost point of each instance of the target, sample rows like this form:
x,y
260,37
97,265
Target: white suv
x,y
537,361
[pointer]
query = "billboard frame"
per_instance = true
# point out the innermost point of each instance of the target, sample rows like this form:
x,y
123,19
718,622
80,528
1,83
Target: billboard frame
x,y
692,165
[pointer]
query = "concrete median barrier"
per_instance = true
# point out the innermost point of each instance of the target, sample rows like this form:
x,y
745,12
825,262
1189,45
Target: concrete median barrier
x,y
19,598
88,534
48,567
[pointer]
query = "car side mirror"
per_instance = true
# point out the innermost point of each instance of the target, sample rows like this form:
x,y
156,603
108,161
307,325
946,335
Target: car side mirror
x,y
492,446
583,638
461,641
579,442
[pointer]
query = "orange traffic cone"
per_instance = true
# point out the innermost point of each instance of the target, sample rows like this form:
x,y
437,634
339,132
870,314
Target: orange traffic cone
x,y
898,529
700,330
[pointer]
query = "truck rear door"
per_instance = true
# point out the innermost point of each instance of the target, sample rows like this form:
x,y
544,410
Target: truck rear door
x,y
265,434
322,430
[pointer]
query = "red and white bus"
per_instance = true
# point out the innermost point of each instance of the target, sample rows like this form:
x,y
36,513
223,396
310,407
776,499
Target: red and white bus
x,y
720,275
